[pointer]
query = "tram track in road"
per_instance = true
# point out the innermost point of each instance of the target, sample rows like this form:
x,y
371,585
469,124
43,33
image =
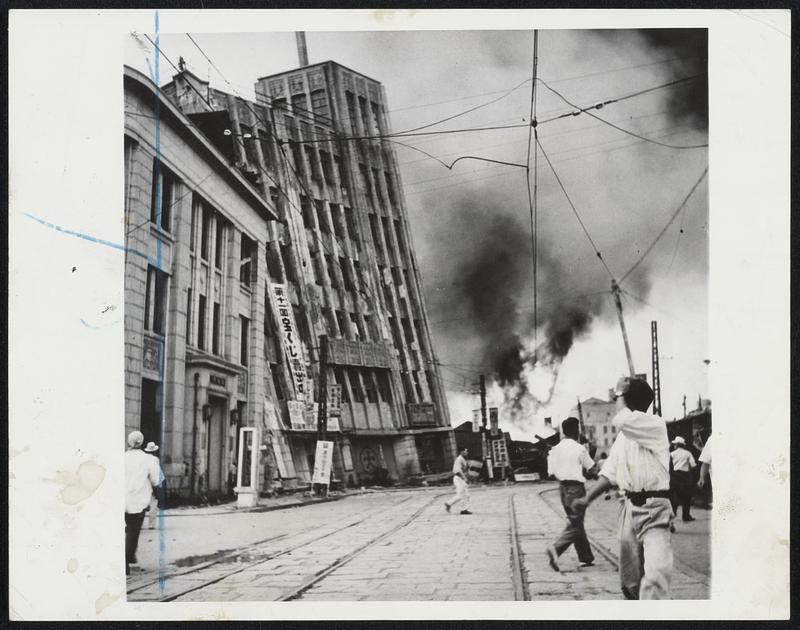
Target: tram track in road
x,y
269,555
521,591
320,575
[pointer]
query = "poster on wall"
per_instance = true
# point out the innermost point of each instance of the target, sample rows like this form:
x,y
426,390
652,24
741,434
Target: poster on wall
x,y
293,347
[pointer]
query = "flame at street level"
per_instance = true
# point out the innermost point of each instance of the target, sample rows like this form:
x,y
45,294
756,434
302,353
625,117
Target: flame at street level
x,y
524,397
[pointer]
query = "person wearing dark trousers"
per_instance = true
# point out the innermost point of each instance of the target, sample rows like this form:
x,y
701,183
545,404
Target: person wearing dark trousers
x,y
142,475
567,461
681,478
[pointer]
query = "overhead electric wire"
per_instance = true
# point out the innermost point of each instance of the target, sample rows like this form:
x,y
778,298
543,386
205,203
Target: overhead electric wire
x,y
574,209
677,241
664,229
627,131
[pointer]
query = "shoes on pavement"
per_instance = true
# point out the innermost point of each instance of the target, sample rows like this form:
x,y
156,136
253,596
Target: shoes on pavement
x,y
465,512
688,518
587,564
447,507
672,528
552,558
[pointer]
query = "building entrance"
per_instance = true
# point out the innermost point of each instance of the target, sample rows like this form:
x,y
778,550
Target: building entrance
x,y
150,418
215,442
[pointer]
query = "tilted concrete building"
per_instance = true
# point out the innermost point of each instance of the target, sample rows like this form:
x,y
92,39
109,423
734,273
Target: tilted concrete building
x,y
338,262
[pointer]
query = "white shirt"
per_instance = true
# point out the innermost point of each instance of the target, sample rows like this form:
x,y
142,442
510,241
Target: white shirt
x,y
705,454
142,473
460,466
567,460
682,460
639,458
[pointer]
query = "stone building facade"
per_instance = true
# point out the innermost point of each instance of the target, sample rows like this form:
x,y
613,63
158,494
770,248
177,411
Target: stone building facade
x,y
311,146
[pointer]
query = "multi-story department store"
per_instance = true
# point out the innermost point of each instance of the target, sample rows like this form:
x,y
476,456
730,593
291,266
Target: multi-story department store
x,y
253,230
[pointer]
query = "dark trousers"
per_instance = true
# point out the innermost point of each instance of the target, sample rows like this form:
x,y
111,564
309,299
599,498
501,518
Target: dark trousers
x,y
682,486
133,525
574,533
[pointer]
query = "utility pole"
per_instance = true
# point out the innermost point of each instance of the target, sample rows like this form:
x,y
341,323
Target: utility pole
x,y
618,302
322,414
487,456
656,375
684,405
580,415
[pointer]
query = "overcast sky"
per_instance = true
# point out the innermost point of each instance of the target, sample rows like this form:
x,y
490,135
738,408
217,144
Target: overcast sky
x,y
471,226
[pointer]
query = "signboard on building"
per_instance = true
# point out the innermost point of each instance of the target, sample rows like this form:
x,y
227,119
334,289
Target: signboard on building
x,y
334,400
297,412
322,462
476,420
420,414
500,452
289,338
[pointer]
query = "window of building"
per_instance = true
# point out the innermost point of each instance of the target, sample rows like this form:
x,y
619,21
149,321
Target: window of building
x,y
357,279
355,384
299,104
429,376
341,379
247,258
189,306
330,321
384,385
283,248
279,103
319,103
331,271
277,380
201,322
362,106
409,333
356,326
244,338
297,158
417,386
351,112
349,285
344,326
407,387
321,218
163,193
376,118
377,187
376,238
313,161
370,386
155,301
266,147
215,329
307,211
398,233
327,166
219,242
197,208
369,329
316,267
340,170
338,220
386,232
205,232
366,184
390,188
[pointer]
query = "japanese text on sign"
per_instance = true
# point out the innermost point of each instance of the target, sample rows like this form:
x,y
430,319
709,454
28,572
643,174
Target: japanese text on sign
x,y
291,343
334,400
322,462
500,452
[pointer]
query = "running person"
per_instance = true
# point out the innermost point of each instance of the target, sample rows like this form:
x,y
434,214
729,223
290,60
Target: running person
x,y
460,469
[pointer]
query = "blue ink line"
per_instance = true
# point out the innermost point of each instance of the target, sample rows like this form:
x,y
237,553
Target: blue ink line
x,y
162,545
93,239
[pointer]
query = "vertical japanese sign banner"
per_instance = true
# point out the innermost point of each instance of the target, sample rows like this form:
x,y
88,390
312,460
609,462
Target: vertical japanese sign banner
x,y
291,342
322,462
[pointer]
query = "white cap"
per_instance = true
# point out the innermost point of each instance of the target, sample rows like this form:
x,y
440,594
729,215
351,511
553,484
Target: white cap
x,y
679,440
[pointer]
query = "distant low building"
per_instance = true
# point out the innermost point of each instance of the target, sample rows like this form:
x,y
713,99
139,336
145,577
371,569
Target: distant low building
x,y
597,415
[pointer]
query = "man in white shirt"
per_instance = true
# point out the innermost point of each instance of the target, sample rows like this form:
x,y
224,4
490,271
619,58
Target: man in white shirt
x,y
460,470
681,480
638,463
142,475
567,461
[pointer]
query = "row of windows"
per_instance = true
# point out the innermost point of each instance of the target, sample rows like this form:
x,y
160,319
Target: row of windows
x,y
368,113
382,225
363,384
371,185
342,218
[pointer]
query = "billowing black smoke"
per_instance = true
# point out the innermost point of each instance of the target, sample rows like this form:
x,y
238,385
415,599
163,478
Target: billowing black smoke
x,y
685,52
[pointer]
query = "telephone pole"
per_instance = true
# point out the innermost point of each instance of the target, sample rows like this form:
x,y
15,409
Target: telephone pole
x,y
322,414
656,375
618,303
